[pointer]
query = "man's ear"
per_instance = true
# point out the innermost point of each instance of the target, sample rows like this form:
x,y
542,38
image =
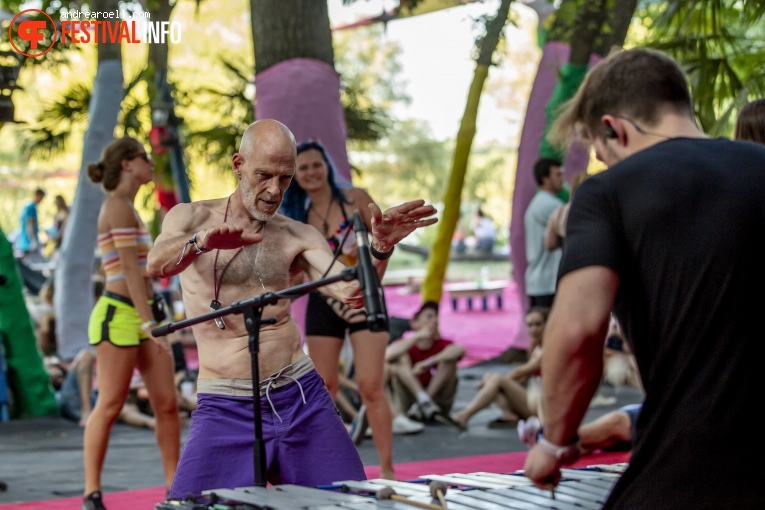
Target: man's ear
x,y
236,163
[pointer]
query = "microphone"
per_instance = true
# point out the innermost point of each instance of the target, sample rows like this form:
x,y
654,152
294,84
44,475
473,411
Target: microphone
x,y
374,298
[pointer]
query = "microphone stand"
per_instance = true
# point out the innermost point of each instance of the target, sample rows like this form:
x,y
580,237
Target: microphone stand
x,y
252,309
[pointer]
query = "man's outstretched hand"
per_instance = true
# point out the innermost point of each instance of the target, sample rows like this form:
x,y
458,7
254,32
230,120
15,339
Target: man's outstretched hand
x,y
227,237
393,225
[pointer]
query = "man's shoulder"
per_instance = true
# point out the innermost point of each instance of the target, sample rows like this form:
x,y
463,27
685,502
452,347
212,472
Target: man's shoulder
x,y
543,203
543,198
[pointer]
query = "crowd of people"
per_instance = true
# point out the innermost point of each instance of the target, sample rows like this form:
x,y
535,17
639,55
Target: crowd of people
x,y
647,277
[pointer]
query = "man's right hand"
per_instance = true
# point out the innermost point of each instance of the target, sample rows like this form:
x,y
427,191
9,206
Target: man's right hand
x,y
227,237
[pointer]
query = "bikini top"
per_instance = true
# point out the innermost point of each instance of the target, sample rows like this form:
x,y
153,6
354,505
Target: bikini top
x,y
110,241
347,224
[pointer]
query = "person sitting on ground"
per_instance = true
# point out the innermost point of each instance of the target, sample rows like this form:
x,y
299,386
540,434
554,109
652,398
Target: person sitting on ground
x,y
515,392
611,432
619,364
424,368
76,395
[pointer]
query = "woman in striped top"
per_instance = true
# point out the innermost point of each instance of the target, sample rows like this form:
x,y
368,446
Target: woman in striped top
x,y
122,319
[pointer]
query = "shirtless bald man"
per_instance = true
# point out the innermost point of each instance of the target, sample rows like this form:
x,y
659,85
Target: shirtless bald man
x,y
237,247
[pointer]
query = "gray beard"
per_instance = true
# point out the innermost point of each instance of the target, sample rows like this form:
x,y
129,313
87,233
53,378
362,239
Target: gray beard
x,y
260,216
252,208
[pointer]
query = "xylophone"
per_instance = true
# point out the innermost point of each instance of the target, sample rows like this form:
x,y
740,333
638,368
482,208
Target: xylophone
x,y
579,489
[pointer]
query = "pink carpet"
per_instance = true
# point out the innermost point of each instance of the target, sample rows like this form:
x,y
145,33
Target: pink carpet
x,y
145,499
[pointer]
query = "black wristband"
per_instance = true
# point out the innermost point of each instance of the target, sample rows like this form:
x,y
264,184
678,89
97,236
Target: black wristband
x,y
380,255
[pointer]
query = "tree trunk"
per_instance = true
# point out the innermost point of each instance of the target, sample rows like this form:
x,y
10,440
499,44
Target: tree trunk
x,y
432,287
280,33
620,16
73,298
295,74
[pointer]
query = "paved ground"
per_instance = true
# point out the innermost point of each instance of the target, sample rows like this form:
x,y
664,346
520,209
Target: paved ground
x,y
42,459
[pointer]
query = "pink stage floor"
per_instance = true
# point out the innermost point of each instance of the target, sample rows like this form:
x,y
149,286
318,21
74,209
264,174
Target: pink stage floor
x,y
145,499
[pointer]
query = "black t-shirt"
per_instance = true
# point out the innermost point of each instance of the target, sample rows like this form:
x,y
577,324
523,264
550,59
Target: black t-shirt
x,y
683,225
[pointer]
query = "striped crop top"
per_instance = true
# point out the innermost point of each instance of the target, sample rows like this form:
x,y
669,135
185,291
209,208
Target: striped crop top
x,y
110,241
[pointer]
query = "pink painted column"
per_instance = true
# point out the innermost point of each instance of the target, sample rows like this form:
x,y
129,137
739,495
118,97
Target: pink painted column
x,y
304,94
554,55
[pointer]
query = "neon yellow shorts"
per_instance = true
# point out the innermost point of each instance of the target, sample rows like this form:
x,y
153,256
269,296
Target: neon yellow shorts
x,y
116,322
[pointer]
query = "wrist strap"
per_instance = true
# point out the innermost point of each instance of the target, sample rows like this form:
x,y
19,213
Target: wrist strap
x,y
565,454
191,242
380,255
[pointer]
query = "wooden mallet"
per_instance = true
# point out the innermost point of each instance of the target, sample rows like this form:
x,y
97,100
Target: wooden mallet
x,y
438,491
389,493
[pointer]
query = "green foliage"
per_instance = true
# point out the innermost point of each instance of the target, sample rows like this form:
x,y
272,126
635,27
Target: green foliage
x,y
721,45
409,163
49,136
369,81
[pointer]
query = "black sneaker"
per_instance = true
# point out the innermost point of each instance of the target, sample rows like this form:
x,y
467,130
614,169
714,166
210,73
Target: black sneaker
x,y
93,501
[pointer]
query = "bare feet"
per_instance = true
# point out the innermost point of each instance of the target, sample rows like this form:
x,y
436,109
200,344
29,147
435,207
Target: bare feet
x,y
387,473
459,421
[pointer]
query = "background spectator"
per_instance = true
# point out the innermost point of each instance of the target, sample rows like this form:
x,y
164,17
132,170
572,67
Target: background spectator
x,y
27,242
542,270
424,368
750,123
485,232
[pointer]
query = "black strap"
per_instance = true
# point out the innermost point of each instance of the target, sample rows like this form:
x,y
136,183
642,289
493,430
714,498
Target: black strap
x,y
118,297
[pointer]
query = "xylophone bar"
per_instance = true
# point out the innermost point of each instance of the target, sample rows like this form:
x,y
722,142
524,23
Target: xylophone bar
x,y
372,486
479,481
578,490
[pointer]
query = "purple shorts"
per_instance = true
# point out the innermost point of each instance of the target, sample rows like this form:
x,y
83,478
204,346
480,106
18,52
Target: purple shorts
x,y
310,446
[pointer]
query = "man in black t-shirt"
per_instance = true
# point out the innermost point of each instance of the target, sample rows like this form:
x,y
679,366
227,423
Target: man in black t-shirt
x,y
670,238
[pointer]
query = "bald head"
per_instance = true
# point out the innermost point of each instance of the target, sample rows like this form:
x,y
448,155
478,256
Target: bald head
x,y
264,166
268,135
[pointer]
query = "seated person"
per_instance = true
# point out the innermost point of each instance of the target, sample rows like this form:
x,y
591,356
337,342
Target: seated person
x,y
619,365
76,396
613,431
517,392
423,368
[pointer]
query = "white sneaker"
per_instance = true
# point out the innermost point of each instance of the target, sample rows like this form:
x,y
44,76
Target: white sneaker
x,y
403,425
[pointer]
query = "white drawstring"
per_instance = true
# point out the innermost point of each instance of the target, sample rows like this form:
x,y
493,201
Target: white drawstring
x,y
271,380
